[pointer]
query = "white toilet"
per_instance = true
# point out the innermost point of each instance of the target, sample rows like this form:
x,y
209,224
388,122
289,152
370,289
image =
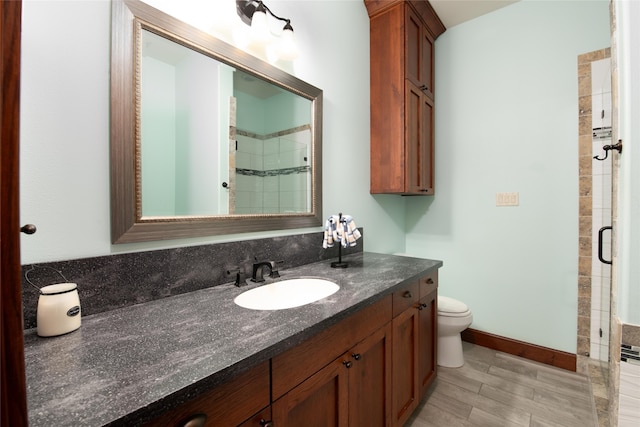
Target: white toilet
x,y
453,317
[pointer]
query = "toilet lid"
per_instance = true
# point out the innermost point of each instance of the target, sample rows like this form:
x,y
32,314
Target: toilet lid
x,y
450,305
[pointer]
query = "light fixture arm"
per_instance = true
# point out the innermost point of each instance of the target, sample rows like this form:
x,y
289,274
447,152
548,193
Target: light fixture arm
x,y
246,9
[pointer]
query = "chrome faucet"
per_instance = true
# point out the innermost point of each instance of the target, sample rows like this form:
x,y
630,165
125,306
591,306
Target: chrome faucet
x,y
258,271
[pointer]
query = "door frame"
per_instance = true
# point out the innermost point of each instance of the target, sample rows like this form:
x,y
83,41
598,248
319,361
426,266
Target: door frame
x,y
13,393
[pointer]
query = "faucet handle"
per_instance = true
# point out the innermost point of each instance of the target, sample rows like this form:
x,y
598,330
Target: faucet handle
x,y
241,276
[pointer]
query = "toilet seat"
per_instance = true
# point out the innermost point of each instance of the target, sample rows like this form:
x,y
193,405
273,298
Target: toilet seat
x,y
450,307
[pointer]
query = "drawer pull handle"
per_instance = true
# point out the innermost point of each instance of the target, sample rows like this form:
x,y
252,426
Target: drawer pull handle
x,y
429,281
356,356
407,294
347,363
265,423
195,420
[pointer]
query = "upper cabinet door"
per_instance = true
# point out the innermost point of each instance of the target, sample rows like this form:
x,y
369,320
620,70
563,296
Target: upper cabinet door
x,y
418,52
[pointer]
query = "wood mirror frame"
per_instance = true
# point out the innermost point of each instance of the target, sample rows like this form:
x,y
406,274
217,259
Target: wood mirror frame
x,y
129,17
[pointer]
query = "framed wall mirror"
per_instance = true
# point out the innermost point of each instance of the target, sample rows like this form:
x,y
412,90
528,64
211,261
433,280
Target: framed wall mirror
x,y
205,138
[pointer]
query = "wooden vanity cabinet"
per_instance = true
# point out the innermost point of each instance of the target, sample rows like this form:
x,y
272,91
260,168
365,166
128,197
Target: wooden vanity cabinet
x,y
427,332
405,391
243,400
340,377
370,369
402,99
352,390
414,331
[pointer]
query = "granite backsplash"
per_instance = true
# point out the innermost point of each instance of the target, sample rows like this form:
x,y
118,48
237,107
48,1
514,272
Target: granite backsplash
x,y
115,281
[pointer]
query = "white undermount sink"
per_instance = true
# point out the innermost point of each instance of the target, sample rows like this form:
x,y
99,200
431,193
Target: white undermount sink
x,y
286,294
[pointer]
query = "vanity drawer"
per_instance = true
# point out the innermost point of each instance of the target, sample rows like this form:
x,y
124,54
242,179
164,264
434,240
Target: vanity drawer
x,y
405,297
428,283
227,405
297,364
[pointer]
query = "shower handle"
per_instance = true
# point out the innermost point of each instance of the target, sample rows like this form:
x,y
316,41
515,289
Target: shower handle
x,y
600,232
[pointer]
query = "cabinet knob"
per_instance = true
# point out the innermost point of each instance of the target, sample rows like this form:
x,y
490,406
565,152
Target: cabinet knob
x,y
356,356
265,423
347,363
195,420
28,229
429,281
407,294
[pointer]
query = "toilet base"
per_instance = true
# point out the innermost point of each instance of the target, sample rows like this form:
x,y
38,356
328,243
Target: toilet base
x,y
450,351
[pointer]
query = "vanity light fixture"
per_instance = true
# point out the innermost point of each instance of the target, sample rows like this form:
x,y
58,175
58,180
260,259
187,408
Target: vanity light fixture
x,y
254,14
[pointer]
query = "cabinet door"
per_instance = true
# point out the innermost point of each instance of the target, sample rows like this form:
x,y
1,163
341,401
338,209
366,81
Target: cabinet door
x,y
427,342
425,166
418,141
414,64
418,52
370,380
320,401
405,361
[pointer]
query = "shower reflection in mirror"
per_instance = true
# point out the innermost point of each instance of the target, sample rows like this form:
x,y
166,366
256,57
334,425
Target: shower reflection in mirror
x,y
204,123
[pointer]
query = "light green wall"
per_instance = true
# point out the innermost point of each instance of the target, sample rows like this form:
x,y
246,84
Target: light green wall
x,y
507,121
65,122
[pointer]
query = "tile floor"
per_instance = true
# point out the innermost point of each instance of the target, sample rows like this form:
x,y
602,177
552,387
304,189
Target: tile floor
x,y
495,389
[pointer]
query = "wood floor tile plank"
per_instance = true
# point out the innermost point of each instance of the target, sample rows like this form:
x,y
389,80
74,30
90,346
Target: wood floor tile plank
x,y
432,416
475,400
568,416
560,401
453,406
500,390
485,419
572,383
536,422
466,373
542,367
538,384
462,377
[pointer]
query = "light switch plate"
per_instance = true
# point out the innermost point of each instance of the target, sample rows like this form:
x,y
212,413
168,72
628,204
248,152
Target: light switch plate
x,y
507,199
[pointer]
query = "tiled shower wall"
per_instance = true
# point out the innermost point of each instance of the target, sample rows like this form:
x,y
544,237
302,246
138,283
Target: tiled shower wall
x,y
601,209
594,277
597,287
595,206
273,173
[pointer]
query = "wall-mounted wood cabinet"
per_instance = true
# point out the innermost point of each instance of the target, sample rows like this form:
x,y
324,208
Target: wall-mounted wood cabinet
x,y
402,34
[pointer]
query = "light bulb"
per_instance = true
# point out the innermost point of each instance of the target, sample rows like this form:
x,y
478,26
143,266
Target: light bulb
x,y
259,26
288,50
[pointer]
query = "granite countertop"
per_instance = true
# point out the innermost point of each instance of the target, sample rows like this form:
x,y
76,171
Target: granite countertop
x,y
125,366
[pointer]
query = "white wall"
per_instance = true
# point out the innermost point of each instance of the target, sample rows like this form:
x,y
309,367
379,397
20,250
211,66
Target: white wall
x,y
65,122
507,121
